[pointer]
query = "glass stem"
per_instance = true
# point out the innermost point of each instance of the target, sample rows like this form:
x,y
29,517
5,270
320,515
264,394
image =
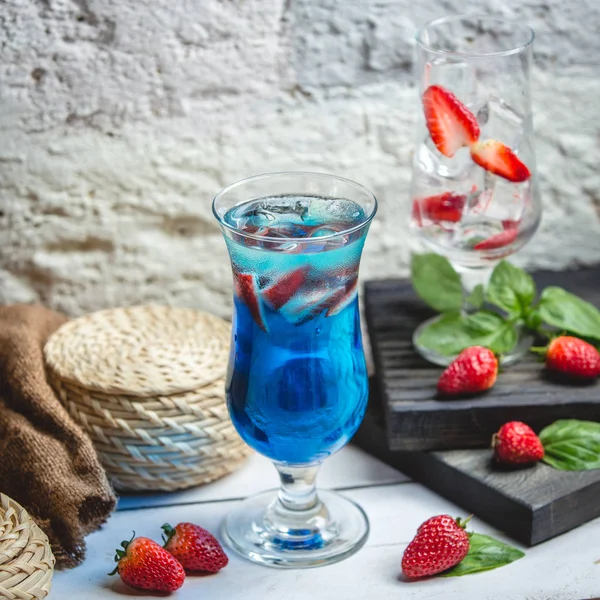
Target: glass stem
x,y
471,278
298,490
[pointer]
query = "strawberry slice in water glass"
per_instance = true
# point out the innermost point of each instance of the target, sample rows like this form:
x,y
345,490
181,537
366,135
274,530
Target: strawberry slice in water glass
x,y
246,285
284,289
502,239
451,124
499,159
510,224
441,207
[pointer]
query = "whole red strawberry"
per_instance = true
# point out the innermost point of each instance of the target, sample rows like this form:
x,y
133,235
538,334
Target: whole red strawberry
x,y
516,444
573,357
194,547
474,370
441,542
145,565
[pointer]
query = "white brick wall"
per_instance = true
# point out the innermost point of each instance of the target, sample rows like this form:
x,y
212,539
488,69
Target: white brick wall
x,y
120,120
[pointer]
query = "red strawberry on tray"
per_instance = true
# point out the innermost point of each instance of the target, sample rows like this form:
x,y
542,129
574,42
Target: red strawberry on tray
x,y
499,159
516,444
247,288
441,207
474,370
571,357
451,124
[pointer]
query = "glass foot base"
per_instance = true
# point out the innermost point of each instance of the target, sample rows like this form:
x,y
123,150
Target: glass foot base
x,y
262,530
517,353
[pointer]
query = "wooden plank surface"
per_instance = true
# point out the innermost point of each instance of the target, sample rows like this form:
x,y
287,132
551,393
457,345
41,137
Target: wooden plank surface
x,y
563,569
531,505
417,420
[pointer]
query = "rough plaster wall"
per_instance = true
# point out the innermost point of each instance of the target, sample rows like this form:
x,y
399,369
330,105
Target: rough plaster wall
x,y
120,119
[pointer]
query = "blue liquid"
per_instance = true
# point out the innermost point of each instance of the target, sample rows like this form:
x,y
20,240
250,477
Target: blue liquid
x,y
297,380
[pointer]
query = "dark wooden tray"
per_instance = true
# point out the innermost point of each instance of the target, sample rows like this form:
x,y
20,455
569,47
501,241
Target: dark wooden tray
x,y
415,420
531,505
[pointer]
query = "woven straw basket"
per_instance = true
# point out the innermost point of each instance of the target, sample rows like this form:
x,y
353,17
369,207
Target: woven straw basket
x,y
147,384
26,560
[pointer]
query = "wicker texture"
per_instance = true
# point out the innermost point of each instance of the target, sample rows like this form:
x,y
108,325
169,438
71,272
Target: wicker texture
x,y
26,560
141,351
147,384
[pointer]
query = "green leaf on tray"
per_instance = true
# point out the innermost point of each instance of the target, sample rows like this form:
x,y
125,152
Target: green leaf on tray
x,y
485,553
436,282
489,329
445,335
452,333
572,445
511,289
566,312
477,297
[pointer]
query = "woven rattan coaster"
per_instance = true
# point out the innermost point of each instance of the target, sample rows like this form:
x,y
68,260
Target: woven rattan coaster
x,y
147,384
26,560
141,351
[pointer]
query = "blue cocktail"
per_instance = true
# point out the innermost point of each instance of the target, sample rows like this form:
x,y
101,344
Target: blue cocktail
x,y
297,382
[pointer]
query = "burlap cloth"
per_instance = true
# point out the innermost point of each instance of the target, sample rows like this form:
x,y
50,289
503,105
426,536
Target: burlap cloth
x,y
47,463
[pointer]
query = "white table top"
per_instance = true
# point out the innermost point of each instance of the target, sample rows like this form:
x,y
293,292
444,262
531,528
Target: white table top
x,y
566,568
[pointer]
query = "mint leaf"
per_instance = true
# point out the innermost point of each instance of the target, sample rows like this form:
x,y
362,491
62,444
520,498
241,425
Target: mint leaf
x,y
446,335
566,312
485,553
452,333
436,282
511,289
489,329
572,445
477,297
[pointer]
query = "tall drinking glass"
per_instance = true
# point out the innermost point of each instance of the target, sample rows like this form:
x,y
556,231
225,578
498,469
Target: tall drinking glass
x,y
297,382
474,187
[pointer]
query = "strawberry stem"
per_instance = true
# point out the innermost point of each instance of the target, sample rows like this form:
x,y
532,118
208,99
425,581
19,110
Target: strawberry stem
x,y
169,532
494,440
541,350
463,522
119,554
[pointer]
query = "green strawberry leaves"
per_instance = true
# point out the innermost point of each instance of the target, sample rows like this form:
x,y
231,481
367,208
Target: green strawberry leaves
x,y
506,305
572,445
477,297
446,335
491,331
566,312
436,282
511,289
485,553
452,333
